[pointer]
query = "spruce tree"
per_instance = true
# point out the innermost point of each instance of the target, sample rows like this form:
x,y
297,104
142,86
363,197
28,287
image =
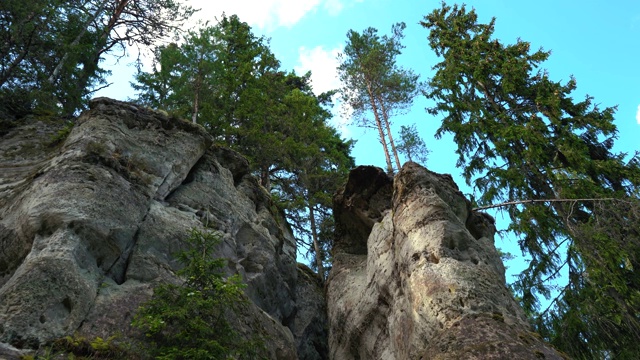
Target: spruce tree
x,y
52,49
191,320
524,141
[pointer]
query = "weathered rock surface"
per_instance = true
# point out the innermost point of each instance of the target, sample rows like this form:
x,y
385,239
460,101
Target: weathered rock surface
x,y
310,325
416,275
88,228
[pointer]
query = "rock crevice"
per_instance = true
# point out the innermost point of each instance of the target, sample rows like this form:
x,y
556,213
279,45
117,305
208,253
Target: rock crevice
x,y
89,227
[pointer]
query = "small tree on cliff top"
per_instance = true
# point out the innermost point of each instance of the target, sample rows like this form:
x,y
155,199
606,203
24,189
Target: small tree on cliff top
x,y
412,145
521,135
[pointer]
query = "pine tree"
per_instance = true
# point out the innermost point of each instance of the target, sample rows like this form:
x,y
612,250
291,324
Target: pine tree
x,y
317,162
181,75
375,84
412,145
321,168
270,116
573,202
220,75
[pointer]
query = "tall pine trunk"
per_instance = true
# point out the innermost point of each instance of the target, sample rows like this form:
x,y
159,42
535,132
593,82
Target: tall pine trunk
x,y
74,43
383,140
265,181
196,98
385,117
316,243
90,67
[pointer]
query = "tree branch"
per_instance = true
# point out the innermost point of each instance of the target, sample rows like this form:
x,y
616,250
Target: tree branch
x,y
536,201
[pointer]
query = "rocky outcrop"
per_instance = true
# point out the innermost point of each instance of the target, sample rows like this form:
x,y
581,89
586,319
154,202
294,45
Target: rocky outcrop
x,y
89,223
88,228
416,275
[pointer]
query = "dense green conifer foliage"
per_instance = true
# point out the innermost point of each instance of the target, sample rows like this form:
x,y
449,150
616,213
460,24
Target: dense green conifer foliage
x,y
190,320
522,136
320,169
50,50
228,80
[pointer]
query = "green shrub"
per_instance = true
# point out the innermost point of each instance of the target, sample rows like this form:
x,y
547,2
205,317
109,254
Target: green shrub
x,y
189,321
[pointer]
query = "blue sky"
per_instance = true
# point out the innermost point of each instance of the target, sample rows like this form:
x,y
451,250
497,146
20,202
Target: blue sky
x,y
595,41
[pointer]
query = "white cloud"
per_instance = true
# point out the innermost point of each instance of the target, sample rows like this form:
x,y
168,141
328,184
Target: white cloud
x,y
322,63
333,7
638,115
324,77
289,12
265,14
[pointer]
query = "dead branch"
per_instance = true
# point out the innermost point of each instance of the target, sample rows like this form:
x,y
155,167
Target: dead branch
x,y
518,202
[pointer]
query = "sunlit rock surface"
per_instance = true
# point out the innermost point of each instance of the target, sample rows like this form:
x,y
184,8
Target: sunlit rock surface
x,y
416,275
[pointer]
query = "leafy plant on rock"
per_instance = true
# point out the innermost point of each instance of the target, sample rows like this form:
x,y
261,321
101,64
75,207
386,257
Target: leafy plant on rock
x,y
81,347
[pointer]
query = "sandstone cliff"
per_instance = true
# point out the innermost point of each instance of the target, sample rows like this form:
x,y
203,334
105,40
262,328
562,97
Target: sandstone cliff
x,y
416,275
88,227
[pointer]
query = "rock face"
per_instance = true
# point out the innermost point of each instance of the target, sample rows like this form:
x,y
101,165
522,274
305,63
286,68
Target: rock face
x,y
416,275
310,324
88,228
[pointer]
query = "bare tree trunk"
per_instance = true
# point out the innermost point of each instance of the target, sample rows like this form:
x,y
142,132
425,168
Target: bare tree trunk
x,y
385,117
102,44
196,98
380,129
316,242
265,181
194,117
